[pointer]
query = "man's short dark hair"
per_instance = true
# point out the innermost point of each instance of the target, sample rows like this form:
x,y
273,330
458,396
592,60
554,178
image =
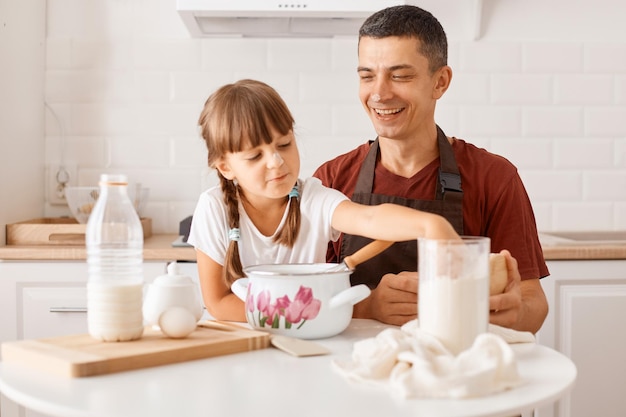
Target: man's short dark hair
x,y
410,22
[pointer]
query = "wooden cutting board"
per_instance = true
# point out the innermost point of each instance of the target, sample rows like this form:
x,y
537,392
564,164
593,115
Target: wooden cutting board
x,y
81,355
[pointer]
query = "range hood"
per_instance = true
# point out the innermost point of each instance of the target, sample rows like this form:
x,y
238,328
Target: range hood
x,y
271,18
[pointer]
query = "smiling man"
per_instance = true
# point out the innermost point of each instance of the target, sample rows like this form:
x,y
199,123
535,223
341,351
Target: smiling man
x,y
403,71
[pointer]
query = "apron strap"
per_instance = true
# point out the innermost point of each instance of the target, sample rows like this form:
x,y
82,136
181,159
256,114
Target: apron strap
x,y
365,181
449,181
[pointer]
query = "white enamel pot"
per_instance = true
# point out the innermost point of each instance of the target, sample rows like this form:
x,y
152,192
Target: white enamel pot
x,y
299,300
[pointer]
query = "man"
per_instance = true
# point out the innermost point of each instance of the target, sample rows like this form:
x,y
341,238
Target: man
x,y
403,71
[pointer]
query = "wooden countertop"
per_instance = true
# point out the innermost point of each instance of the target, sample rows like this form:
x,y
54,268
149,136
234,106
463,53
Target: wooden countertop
x,y
159,247
583,245
155,248
582,252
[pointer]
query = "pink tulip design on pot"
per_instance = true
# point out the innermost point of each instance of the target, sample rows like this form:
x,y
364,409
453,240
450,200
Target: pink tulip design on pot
x,y
250,301
303,307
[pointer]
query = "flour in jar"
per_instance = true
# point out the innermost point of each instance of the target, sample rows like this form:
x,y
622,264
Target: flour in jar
x,y
454,310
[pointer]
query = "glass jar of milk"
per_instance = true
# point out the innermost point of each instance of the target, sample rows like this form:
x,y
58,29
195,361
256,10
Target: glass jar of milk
x,y
453,295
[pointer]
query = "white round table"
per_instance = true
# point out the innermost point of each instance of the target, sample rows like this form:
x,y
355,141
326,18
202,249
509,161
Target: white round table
x,y
271,382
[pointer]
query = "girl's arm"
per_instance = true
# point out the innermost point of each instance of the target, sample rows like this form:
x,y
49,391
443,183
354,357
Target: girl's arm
x,y
220,302
390,222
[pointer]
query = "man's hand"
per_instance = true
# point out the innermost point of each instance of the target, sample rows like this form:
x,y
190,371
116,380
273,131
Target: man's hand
x,y
523,305
393,301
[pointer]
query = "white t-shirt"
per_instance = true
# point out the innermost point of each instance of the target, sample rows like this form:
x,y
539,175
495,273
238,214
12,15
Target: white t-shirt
x,y
209,228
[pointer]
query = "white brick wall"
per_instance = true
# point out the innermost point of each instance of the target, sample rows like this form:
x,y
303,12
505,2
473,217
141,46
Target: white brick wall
x,y
128,83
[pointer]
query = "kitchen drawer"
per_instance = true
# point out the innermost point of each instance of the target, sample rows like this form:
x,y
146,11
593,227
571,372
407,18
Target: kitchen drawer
x,y
43,299
53,311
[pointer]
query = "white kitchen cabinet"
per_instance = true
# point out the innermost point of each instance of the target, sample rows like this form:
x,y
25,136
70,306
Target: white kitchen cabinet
x,y
46,299
587,322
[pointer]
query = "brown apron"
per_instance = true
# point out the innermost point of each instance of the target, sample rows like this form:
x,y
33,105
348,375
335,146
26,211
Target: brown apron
x,y
402,256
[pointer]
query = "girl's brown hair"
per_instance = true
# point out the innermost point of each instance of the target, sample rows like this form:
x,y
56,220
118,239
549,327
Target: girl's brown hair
x,y
234,117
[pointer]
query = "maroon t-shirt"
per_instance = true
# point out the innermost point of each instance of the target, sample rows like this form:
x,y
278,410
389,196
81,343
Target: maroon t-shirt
x,y
495,202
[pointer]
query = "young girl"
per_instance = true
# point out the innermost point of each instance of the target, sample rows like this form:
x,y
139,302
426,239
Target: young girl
x,y
262,212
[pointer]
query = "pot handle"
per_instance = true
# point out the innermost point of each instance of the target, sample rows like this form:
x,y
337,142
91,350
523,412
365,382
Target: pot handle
x,y
351,296
240,288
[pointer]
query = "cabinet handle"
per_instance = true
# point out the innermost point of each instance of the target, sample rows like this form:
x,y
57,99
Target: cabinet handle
x,y
68,309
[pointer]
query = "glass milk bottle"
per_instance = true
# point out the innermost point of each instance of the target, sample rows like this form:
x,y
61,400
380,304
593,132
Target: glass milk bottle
x,y
114,240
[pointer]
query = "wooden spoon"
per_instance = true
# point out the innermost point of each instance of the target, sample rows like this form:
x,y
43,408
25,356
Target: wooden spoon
x,y
365,253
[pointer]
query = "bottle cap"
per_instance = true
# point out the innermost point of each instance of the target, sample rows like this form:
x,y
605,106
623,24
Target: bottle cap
x,y
113,179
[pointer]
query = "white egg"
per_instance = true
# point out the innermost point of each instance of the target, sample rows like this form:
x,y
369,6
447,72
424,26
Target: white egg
x,y
177,322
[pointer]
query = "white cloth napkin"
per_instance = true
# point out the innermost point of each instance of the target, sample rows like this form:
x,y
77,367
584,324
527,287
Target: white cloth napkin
x,y
412,363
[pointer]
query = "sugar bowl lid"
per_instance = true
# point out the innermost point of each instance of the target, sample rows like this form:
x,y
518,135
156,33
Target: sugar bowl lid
x,y
173,277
